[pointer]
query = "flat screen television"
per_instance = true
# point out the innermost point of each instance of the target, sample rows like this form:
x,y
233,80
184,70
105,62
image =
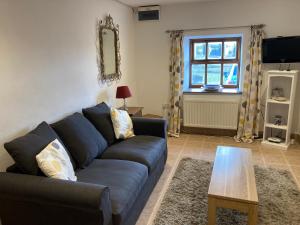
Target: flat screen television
x,y
281,50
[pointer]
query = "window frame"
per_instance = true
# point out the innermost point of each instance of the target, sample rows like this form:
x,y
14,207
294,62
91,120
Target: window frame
x,y
221,61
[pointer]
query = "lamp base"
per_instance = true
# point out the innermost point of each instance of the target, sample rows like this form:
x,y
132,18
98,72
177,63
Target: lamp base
x,y
124,106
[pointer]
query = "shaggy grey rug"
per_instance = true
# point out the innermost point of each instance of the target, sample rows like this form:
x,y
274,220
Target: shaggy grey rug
x,y
186,199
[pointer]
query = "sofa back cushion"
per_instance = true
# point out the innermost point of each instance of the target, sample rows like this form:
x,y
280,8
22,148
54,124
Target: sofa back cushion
x,y
81,138
99,115
24,149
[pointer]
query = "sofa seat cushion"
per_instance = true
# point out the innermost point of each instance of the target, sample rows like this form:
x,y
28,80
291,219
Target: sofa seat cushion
x,y
124,179
143,149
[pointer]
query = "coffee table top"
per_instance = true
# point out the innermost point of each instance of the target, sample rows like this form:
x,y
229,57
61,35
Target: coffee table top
x,y
233,175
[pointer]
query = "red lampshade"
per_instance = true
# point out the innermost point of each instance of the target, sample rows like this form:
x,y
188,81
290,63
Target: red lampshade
x,y
123,92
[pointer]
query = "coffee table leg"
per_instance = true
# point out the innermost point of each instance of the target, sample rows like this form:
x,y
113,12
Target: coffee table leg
x,y
252,215
211,211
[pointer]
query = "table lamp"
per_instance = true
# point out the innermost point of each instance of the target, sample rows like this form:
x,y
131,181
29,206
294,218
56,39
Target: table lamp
x,y
123,92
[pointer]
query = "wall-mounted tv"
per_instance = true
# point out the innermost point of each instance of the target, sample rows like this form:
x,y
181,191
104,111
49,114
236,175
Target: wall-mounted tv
x,y
281,50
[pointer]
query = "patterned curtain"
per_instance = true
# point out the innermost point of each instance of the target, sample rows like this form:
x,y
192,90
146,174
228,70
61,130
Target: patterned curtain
x,y
250,109
176,82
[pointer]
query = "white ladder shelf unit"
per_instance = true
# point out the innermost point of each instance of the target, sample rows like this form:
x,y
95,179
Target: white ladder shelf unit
x,y
286,80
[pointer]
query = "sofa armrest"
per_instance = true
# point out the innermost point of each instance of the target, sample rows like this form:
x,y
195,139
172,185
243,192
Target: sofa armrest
x,y
150,126
52,201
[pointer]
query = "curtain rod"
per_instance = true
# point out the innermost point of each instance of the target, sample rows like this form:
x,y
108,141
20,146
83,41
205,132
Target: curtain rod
x,y
215,28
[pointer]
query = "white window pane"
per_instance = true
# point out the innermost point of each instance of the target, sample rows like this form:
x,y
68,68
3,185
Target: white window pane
x,y
214,74
230,74
199,51
214,50
230,49
198,74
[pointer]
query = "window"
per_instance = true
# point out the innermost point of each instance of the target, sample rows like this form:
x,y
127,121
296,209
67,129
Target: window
x,y
215,61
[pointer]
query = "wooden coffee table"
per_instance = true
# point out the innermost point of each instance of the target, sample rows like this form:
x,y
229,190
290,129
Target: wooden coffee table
x,y
233,184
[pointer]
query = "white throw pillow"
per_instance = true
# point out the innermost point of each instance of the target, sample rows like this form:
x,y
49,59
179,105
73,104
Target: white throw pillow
x,y
122,123
55,162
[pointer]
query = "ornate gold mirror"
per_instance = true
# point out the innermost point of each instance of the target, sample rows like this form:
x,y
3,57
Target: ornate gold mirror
x,y
109,51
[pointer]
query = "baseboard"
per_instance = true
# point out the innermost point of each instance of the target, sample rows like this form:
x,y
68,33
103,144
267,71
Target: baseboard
x,y
296,137
223,132
208,131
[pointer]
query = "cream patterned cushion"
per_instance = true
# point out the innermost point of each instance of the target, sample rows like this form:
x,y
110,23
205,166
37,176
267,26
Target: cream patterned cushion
x,y
122,123
55,162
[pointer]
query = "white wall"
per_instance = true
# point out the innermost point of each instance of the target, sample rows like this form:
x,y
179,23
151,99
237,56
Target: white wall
x,y
48,61
152,43
48,56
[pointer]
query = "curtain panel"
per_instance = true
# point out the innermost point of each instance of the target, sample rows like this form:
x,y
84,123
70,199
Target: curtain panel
x,y
176,83
250,108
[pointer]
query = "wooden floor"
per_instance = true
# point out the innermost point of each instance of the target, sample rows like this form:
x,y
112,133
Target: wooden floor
x,y
204,147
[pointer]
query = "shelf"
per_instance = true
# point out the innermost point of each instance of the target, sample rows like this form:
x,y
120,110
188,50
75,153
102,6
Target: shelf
x,y
279,83
282,73
278,102
281,127
276,145
284,76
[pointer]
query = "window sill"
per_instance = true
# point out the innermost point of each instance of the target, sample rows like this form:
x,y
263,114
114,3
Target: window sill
x,y
222,91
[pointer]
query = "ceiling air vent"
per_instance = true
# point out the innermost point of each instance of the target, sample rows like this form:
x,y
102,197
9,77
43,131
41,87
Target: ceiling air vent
x,y
150,12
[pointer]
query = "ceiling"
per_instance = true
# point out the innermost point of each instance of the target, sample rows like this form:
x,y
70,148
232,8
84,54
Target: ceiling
x,y
135,3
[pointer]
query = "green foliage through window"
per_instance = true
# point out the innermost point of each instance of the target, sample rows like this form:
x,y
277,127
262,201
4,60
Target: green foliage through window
x,y
215,61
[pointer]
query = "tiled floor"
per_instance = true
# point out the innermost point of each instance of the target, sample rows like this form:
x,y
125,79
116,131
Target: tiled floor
x,y
204,147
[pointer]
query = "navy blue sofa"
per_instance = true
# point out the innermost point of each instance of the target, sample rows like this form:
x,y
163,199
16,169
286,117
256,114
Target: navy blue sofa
x,y
115,178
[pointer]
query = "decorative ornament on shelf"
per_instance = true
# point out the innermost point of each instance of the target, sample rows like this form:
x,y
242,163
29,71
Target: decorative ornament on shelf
x,y
278,120
212,87
123,92
275,139
278,95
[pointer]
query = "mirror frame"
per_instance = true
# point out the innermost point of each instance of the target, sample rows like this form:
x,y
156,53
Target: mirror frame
x,y
108,24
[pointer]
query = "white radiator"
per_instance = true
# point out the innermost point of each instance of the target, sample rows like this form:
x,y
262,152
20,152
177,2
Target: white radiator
x,y
211,112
